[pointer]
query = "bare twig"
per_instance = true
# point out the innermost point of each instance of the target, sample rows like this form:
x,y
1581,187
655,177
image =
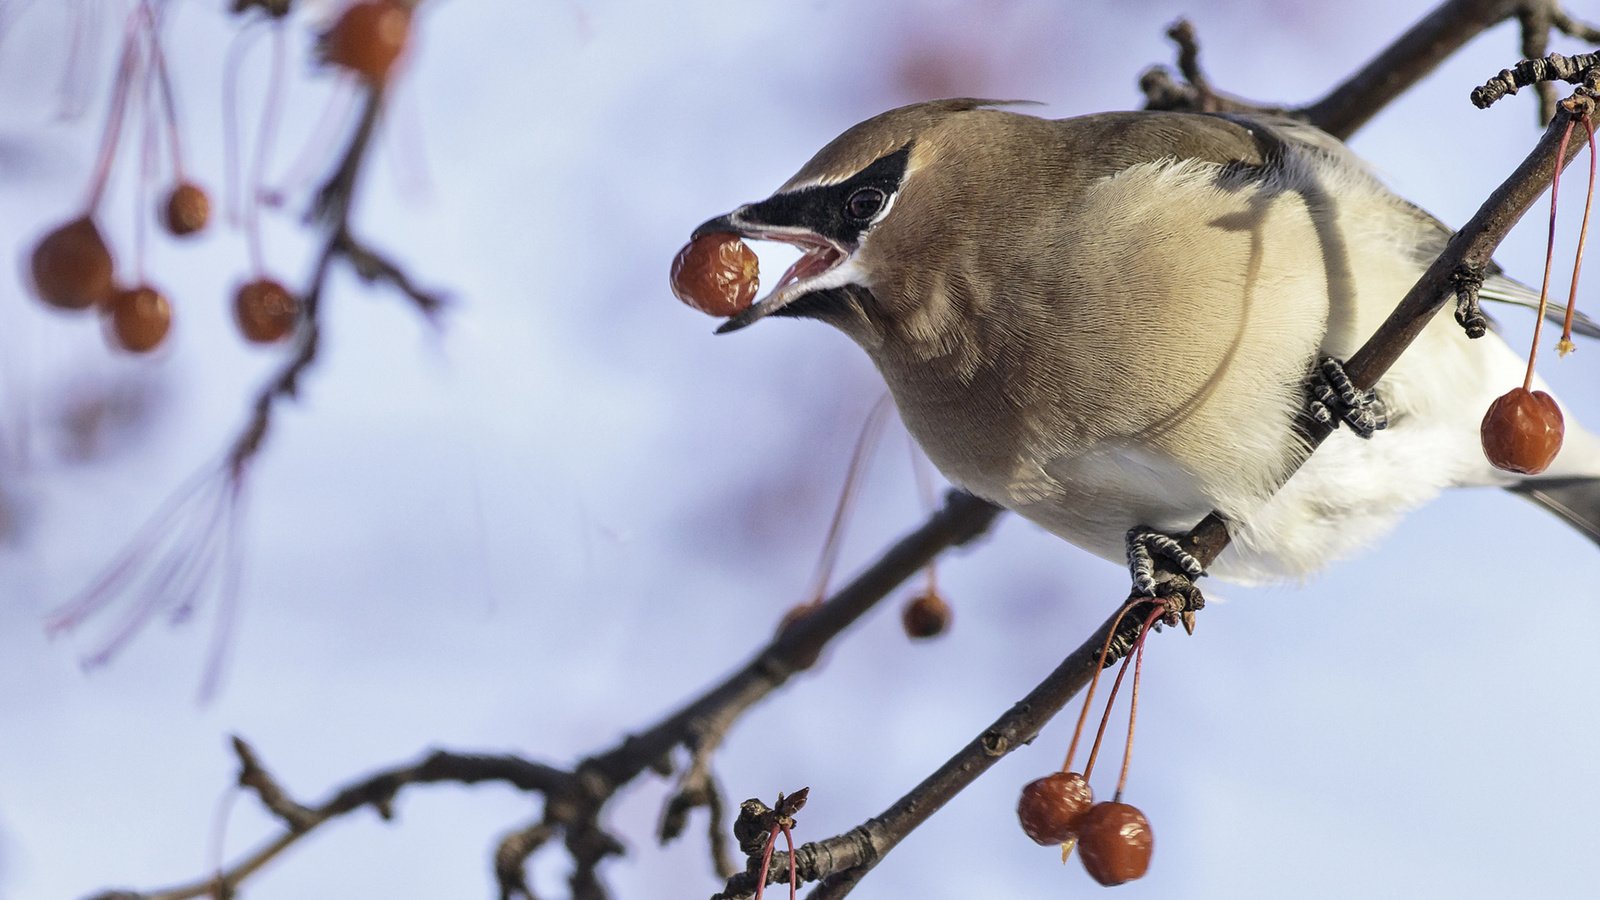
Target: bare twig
x,y
1405,61
254,776
1571,27
512,855
1541,71
377,791
1194,92
1343,110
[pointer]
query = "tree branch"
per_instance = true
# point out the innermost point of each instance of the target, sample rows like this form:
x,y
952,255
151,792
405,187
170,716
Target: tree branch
x,y
377,790
1399,66
574,799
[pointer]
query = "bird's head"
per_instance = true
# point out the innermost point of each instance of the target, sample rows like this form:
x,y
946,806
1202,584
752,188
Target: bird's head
x,y
855,195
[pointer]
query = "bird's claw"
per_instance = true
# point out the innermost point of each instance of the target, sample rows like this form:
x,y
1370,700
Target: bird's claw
x,y
1144,547
1335,399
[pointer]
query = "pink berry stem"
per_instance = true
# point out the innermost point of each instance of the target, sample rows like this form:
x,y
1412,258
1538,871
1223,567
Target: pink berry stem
x,y
1549,256
1133,699
126,66
1105,717
794,878
1583,237
264,142
766,861
1088,697
169,105
919,470
232,137
866,442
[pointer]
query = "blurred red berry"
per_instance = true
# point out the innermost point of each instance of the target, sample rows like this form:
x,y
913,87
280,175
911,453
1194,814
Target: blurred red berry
x,y
72,266
187,210
926,616
265,311
138,318
368,38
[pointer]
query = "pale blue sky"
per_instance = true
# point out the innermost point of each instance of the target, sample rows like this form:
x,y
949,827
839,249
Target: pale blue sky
x,y
578,507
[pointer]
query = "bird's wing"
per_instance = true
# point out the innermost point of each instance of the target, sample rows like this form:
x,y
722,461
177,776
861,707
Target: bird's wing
x,y
1432,234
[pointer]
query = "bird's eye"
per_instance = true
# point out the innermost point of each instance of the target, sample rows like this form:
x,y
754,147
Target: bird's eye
x,y
864,204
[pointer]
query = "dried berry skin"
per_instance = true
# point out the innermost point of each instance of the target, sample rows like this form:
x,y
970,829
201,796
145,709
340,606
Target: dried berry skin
x,y
1115,843
71,266
265,311
368,38
187,210
717,274
1522,431
926,616
138,319
1051,809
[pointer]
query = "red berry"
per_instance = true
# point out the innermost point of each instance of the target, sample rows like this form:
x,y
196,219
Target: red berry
x,y
1051,808
188,209
368,38
1115,843
138,318
265,311
926,616
72,266
1522,431
717,274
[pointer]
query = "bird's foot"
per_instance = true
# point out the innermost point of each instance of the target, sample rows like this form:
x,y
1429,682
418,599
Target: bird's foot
x,y
1335,399
1145,547
1163,577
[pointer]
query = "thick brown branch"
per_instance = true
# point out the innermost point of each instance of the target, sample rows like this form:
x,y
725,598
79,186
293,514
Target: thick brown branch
x,y
1391,73
1403,63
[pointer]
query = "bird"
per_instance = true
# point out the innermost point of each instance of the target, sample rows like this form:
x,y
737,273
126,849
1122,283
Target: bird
x,y
1109,324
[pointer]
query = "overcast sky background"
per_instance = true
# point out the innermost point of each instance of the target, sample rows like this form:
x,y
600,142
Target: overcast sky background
x,y
576,507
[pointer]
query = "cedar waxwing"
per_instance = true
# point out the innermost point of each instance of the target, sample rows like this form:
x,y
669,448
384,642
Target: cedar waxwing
x,y
1108,323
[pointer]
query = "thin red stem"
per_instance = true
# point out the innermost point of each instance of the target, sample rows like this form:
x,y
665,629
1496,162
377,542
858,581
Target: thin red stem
x,y
1583,237
169,104
1088,697
264,143
866,441
919,469
147,156
794,876
1549,257
1105,717
766,861
1133,699
232,177
113,131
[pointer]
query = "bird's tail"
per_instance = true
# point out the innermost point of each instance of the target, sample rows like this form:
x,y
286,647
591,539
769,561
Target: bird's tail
x,y
1575,500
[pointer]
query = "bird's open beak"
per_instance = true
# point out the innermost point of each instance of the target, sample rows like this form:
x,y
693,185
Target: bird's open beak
x,y
818,267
